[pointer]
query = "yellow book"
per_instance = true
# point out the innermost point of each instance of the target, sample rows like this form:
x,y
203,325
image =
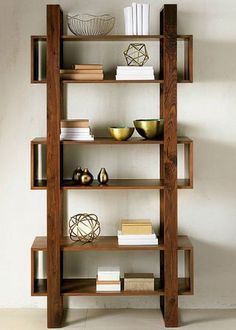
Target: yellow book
x,y
136,227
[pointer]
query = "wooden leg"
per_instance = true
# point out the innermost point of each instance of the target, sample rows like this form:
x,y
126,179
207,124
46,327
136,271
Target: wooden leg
x,y
170,309
55,312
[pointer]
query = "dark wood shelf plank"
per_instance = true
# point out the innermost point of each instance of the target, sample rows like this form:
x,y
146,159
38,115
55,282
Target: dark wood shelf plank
x,y
116,184
87,287
111,37
106,243
109,140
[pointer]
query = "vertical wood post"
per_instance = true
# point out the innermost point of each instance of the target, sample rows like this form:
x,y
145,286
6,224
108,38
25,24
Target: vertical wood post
x,y
54,191
168,166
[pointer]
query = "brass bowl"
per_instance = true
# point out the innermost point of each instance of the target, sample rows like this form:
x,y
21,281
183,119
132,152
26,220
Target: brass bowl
x,y
150,128
121,133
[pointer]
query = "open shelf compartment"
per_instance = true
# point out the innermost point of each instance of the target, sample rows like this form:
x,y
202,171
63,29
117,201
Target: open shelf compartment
x,y
38,57
87,286
38,152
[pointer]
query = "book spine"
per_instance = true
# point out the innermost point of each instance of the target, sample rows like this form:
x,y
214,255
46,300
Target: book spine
x,y
146,19
88,67
134,77
128,20
139,19
108,277
75,129
134,17
82,76
108,287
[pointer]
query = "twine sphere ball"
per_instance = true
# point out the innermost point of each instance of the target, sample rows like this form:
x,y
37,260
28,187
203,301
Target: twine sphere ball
x,y
84,227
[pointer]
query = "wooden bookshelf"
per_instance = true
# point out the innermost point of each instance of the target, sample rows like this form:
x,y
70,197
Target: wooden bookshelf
x,y
168,286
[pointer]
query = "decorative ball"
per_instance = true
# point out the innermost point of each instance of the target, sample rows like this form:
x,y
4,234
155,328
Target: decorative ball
x,y
84,227
136,55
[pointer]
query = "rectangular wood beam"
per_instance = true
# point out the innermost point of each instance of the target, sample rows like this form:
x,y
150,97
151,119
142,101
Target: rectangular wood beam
x,y
168,166
54,191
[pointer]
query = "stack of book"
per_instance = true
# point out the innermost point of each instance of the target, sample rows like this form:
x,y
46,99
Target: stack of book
x,y
135,73
83,72
76,129
137,232
137,19
108,279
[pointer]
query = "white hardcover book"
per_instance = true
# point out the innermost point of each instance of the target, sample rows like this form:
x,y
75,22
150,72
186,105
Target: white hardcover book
x,y
135,70
75,134
108,287
136,74
138,242
139,236
91,138
134,17
130,68
134,77
76,130
108,274
139,19
146,19
128,20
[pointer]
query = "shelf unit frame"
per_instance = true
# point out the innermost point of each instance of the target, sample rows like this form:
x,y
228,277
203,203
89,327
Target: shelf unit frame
x,y
54,244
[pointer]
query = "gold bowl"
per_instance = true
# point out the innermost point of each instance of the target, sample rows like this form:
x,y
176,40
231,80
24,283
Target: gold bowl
x,y
121,133
150,128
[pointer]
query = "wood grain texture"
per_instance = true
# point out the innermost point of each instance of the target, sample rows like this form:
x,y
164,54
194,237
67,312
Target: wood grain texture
x,y
54,192
169,304
106,243
87,287
109,140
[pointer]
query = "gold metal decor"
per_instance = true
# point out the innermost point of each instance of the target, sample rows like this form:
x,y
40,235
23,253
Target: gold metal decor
x,y
121,133
103,176
86,177
84,227
136,54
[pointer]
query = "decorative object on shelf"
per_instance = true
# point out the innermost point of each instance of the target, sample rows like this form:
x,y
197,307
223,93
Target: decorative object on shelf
x,y
84,227
138,282
121,133
86,24
137,19
103,176
136,54
150,128
86,177
77,175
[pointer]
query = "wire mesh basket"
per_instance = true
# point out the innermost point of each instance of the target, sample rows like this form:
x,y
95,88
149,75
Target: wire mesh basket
x,y
86,24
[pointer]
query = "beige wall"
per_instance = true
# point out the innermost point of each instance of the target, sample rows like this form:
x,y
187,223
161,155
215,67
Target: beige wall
x,y
206,112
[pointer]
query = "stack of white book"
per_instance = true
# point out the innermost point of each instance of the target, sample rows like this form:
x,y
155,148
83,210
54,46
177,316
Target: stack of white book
x,y
137,232
76,129
137,19
146,239
135,73
108,279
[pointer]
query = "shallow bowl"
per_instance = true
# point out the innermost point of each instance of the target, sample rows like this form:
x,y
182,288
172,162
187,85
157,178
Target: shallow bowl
x,y
121,133
150,128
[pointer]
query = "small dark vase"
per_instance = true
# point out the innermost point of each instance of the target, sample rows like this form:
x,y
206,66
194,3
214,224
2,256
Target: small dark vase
x,y
77,175
103,176
86,177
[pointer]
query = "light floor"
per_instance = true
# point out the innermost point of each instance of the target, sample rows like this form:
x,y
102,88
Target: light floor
x,y
122,319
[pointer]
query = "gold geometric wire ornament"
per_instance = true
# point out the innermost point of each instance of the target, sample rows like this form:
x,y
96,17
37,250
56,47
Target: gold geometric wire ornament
x,y
84,227
136,55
